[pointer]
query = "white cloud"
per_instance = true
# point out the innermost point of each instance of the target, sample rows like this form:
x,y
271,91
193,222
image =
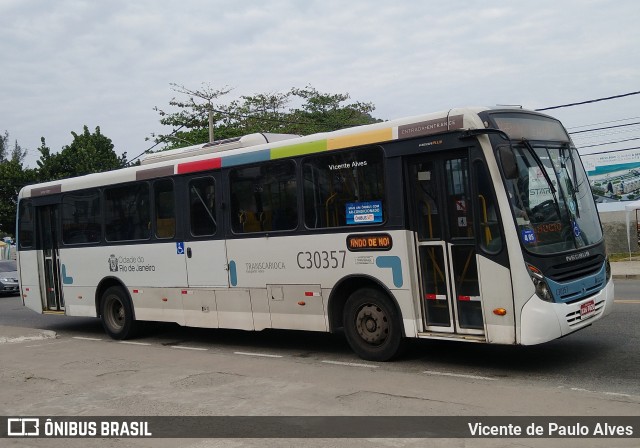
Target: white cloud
x,y
71,62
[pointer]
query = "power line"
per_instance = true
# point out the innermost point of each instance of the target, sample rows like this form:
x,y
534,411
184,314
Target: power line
x,y
590,101
609,143
604,122
149,149
610,151
606,127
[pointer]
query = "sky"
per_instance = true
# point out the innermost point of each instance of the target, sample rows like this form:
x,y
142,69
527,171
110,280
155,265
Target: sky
x,y
65,64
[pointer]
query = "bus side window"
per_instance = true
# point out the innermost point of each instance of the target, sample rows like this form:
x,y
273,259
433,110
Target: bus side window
x,y
164,209
339,186
490,237
264,198
127,212
81,217
26,227
202,206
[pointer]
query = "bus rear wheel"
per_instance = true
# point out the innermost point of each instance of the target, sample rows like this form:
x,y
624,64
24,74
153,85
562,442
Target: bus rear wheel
x,y
372,325
117,313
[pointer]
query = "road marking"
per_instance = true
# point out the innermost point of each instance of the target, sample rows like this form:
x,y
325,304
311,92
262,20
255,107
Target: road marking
x,y
459,375
626,301
134,343
263,355
86,339
350,364
184,347
46,344
615,394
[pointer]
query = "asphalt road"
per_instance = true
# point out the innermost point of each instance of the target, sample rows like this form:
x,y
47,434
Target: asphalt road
x,y
604,357
174,371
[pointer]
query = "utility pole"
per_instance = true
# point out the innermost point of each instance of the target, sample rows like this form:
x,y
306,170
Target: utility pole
x,y
210,126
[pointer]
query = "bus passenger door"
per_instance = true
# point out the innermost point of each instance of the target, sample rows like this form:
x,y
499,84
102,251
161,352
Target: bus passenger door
x,y
443,221
48,229
205,248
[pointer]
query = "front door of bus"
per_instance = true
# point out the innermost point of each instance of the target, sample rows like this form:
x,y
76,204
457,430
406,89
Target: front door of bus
x,y
49,258
443,221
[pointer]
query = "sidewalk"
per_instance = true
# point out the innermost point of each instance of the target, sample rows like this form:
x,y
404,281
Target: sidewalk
x,y
626,270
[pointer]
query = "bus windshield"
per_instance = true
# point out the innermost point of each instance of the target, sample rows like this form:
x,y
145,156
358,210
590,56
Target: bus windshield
x,y
551,199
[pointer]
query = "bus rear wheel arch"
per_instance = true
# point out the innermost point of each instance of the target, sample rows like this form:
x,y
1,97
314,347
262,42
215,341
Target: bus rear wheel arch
x,y
116,313
372,324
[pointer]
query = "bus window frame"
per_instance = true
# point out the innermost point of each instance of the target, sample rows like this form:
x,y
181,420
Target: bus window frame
x,y
150,236
228,210
385,161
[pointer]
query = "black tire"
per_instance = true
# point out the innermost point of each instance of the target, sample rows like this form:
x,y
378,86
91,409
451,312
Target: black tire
x,y
372,325
117,313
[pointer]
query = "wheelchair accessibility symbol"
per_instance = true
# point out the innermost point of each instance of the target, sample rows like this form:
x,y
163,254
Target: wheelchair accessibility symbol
x,y
180,248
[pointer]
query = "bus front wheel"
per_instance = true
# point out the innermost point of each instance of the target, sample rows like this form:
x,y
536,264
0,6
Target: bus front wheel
x,y
117,313
372,325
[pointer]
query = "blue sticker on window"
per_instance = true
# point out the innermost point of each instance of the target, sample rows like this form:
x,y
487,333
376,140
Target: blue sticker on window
x,y
528,236
364,212
576,229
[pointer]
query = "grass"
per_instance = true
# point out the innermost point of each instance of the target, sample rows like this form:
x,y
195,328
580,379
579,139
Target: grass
x,y
624,256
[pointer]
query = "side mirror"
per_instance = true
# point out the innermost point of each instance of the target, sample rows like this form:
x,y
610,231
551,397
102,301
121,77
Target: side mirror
x,y
508,162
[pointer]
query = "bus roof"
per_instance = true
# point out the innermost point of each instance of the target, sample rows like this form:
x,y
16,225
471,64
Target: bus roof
x,y
199,158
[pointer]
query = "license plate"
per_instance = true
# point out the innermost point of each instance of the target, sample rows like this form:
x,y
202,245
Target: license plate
x,y
587,309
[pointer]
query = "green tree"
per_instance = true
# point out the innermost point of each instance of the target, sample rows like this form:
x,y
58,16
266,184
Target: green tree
x,y
13,176
87,153
298,111
325,112
16,153
191,121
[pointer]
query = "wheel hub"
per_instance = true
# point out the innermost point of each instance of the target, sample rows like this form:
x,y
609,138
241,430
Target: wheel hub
x,y
372,324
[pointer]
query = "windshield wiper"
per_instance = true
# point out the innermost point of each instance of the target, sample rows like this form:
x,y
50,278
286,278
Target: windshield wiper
x,y
538,161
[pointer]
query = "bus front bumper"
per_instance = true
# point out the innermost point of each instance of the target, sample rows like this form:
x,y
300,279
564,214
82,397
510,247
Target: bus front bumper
x,y
543,321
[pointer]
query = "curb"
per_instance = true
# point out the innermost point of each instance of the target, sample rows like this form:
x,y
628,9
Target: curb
x,y
626,276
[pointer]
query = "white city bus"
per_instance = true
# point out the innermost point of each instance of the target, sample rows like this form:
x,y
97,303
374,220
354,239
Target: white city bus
x,y
472,224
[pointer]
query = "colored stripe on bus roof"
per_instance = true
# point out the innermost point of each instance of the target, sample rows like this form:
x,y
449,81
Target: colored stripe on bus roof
x,y
363,138
154,172
243,159
299,149
200,165
347,141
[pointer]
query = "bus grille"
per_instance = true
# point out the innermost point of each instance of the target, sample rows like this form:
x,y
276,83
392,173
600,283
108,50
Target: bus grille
x,y
575,270
574,318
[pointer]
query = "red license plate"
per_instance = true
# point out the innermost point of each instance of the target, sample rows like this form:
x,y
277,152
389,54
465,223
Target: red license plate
x,y
587,308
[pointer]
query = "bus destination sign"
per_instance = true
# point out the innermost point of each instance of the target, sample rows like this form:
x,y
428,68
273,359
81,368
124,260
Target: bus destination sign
x,y
371,241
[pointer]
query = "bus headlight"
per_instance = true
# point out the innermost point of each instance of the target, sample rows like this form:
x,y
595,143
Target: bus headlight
x,y
542,289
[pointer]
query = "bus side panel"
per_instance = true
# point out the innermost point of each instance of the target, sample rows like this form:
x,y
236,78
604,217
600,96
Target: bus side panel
x,y
80,301
316,264
30,280
148,269
495,289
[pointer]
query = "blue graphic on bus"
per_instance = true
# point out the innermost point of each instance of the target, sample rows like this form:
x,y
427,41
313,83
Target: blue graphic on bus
x,y
180,248
528,236
395,264
364,212
576,229
67,280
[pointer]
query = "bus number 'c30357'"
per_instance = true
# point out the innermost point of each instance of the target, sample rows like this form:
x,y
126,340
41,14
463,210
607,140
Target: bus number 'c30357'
x,y
321,259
